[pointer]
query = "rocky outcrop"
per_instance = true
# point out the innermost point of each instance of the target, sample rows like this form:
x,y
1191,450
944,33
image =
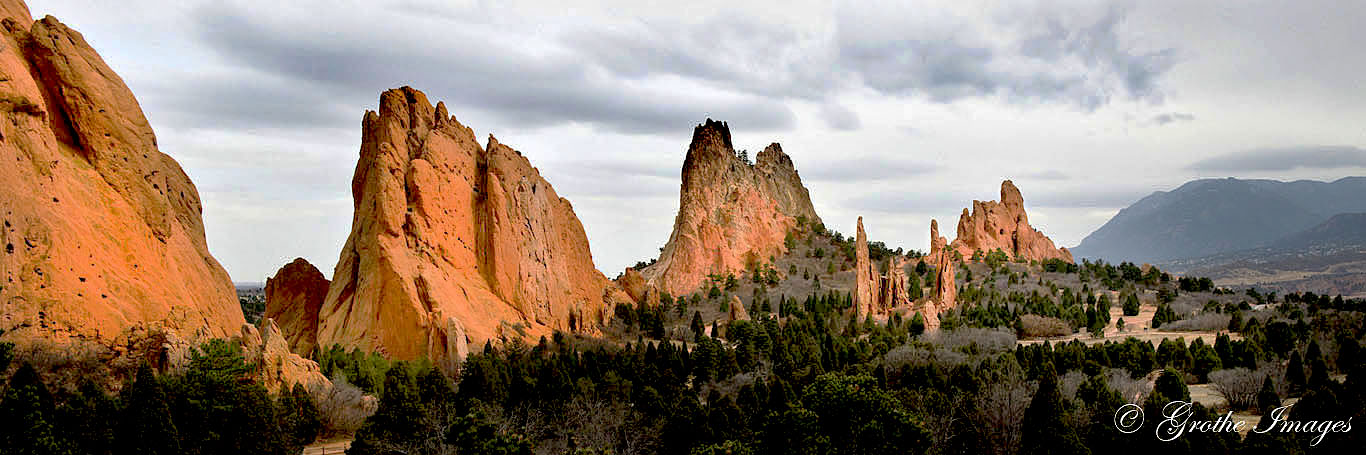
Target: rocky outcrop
x,y
454,243
731,214
633,283
276,367
894,285
945,288
737,310
293,298
867,283
102,233
876,292
1003,225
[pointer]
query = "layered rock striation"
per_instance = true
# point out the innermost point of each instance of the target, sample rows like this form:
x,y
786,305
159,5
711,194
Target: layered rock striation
x,y
732,214
453,243
1003,225
102,235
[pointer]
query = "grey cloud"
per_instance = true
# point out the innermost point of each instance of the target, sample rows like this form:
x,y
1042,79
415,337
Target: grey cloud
x,y
1043,59
519,86
942,202
1087,197
1170,117
866,170
838,117
1285,158
1051,174
236,99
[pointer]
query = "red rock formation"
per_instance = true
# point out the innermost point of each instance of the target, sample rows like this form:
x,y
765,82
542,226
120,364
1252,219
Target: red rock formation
x,y
102,235
731,214
633,283
737,310
866,279
293,298
276,367
1004,225
946,289
876,292
894,285
454,243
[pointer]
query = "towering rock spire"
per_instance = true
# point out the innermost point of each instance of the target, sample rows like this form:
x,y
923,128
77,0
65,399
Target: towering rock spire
x,y
945,288
102,233
731,214
866,278
453,243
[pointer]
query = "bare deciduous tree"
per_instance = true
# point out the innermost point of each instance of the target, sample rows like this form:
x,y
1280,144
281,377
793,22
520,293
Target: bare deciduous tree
x,y
1000,410
1238,386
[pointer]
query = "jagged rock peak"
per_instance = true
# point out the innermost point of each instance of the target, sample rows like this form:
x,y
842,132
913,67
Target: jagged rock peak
x,y
453,243
731,213
1004,225
712,132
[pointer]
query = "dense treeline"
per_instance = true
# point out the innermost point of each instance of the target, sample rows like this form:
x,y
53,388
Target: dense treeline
x,y
816,380
211,407
804,375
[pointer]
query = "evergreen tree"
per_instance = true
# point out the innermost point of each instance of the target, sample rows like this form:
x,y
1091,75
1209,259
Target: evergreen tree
x,y
88,417
299,420
917,326
27,415
1267,399
1294,374
391,427
145,426
1045,429
1171,386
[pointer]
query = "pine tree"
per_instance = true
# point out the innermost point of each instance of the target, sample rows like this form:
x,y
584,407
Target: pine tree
x,y
1294,374
88,417
299,420
1267,399
1045,429
917,324
145,425
27,414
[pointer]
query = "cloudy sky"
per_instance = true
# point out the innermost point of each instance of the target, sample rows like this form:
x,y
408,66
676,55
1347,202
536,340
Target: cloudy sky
x,y
900,113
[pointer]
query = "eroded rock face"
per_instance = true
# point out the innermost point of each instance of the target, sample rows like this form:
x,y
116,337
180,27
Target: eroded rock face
x,y
454,243
876,292
293,298
894,285
731,213
278,368
737,309
946,289
101,231
1004,225
867,282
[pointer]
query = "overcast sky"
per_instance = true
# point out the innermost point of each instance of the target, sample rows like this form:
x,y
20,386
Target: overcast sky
x,y
897,113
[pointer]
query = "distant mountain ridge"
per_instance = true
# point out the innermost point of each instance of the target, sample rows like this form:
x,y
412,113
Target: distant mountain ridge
x,y
1213,216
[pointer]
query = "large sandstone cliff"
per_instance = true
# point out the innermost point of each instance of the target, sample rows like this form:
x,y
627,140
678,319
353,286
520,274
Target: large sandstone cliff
x,y
1004,225
731,214
453,243
294,296
102,234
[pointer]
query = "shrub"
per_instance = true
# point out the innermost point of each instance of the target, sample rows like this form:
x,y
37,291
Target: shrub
x,y
1042,326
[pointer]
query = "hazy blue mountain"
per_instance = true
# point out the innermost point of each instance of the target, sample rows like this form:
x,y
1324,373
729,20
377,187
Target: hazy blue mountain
x,y
1212,216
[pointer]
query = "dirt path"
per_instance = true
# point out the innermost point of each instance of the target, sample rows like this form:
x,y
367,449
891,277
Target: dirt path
x,y
334,446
